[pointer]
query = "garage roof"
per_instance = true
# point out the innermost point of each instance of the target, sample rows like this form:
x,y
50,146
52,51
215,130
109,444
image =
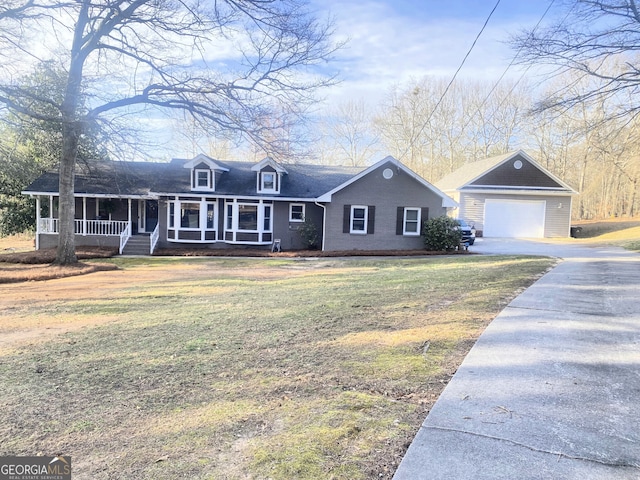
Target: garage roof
x,y
513,170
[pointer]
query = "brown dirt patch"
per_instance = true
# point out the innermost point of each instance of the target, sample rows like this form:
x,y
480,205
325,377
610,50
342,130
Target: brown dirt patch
x,y
299,253
20,266
12,273
49,255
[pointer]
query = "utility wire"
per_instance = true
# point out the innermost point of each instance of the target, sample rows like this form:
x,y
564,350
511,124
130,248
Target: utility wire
x,y
424,125
515,57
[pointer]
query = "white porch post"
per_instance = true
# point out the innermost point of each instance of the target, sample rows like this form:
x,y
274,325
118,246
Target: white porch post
x,y
203,219
141,219
129,215
53,225
84,216
37,222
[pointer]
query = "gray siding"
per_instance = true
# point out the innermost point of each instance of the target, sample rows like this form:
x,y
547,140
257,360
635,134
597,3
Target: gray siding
x,y
48,240
287,231
507,175
386,196
557,213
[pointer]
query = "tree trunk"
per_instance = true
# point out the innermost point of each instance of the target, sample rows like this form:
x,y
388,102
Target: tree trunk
x,y
71,130
632,201
66,253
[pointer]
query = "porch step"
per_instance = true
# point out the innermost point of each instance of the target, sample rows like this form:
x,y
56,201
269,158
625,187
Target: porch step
x,y
137,245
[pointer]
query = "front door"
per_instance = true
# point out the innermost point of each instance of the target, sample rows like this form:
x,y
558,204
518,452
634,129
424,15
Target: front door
x,y
150,215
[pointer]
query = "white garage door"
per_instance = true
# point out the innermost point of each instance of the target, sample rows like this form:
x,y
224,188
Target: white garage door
x,y
514,218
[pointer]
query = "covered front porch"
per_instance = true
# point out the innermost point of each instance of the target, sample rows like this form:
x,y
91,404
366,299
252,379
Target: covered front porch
x,y
99,221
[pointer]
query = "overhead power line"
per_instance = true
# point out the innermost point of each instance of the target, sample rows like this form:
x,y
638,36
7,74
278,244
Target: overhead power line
x,y
424,125
513,60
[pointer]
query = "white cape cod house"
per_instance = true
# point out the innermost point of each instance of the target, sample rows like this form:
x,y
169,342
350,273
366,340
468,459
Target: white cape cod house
x,y
207,203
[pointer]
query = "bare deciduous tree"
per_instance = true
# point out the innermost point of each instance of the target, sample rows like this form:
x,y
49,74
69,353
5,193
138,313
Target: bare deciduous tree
x,y
599,39
352,133
135,55
435,134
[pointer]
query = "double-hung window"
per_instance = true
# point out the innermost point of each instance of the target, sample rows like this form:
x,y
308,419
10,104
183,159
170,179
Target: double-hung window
x,y
296,212
359,219
411,221
268,182
202,179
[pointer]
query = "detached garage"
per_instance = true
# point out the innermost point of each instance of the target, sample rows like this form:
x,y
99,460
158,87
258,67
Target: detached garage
x,y
511,195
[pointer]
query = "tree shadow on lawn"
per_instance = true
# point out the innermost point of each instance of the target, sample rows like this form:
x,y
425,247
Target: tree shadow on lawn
x,y
38,265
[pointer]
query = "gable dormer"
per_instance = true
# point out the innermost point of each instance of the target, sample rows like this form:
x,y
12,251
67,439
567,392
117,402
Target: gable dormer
x,y
204,173
268,175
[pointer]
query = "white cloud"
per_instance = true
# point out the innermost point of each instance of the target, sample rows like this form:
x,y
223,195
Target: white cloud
x,y
390,46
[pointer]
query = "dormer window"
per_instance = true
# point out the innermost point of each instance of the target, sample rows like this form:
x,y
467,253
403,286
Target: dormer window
x,y
268,183
203,179
204,173
268,176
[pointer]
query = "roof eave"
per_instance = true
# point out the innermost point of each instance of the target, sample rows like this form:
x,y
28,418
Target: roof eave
x,y
520,190
326,197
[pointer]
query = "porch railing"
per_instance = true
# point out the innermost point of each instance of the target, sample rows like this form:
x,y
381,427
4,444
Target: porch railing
x,y
87,227
124,237
153,241
49,225
101,227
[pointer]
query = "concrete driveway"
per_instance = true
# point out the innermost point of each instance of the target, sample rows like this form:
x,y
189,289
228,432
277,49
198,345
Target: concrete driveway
x,y
551,390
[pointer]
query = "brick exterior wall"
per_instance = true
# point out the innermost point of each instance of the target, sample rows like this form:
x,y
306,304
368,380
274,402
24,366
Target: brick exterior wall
x,y
386,195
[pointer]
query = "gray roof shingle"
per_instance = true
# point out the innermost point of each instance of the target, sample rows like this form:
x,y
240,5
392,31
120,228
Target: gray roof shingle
x,y
145,178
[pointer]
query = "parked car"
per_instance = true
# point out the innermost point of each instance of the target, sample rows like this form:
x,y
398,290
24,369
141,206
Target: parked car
x,y
468,232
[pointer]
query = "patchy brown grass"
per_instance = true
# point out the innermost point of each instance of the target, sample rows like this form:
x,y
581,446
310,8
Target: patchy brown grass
x,y
262,253
12,272
17,243
49,255
206,368
19,262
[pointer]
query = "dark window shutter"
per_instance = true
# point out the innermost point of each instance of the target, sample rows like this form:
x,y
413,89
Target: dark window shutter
x,y
346,219
424,216
371,219
399,220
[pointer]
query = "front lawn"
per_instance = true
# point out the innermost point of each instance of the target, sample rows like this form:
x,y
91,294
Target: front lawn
x,y
241,368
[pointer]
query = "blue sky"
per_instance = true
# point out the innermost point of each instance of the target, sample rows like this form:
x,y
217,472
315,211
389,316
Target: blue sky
x,y
393,41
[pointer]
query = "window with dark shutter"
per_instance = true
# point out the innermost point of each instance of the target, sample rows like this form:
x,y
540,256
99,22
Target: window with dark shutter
x,y
424,216
346,219
399,220
371,218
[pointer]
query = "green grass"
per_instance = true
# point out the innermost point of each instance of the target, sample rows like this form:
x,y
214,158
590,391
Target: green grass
x,y
223,368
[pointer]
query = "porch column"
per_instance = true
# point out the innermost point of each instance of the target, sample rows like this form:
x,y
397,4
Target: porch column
x,y
129,216
84,216
38,222
54,225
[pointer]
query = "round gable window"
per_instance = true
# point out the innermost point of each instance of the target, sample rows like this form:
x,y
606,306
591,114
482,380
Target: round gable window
x,y
517,164
387,173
